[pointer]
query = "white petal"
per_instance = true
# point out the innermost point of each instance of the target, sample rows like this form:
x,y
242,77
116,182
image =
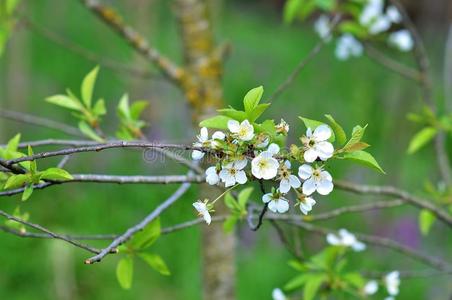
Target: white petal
x,y
303,209
240,164
282,206
294,181
200,206
277,294
211,171
197,155
326,176
207,218
332,239
287,164
371,287
322,133
305,171
308,132
310,201
310,155
272,205
273,148
240,177
233,126
267,197
212,179
324,150
309,187
225,175
218,135
284,186
324,187
358,246
271,170
204,136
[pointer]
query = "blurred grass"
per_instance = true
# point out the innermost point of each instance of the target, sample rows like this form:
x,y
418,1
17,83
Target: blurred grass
x,y
264,52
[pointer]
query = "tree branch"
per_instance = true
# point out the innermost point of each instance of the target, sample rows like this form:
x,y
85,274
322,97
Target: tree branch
x,y
140,226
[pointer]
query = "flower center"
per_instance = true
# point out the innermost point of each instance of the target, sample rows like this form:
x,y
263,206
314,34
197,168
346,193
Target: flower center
x,y
232,171
262,164
242,131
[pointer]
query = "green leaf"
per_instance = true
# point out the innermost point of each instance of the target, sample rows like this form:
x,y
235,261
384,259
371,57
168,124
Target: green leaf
x,y
355,147
56,174
421,138
123,107
426,220
89,132
124,272
229,223
156,262
313,124
327,5
252,99
291,9
99,108
268,126
231,202
353,28
11,6
32,163
339,132
146,237
365,159
233,113
218,122
65,101
13,143
27,192
244,195
355,279
137,108
312,285
16,181
88,86
296,282
258,111
297,265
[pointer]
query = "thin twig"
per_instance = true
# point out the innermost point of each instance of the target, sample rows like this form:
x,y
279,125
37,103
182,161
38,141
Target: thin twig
x,y
33,120
140,226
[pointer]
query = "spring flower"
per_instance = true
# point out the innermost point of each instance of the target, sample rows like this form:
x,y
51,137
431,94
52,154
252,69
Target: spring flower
x,y
282,127
322,27
392,282
287,179
402,40
381,24
203,210
315,180
203,138
371,287
244,131
212,177
276,203
346,239
306,204
277,294
372,11
393,14
347,46
217,136
233,172
316,144
264,165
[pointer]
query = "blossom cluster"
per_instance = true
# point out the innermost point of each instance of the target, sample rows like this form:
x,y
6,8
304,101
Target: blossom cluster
x,y
374,19
241,147
391,282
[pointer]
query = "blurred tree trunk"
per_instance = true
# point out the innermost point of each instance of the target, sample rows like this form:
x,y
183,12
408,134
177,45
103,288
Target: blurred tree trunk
x,y
203,90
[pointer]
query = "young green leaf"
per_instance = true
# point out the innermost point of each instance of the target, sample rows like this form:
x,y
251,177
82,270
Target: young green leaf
x,y
217,122
365,159
137,108
244,196
124,272
229,223
156,262
421,138
426,220
123,107
339,132
231,202
297,282
16,181
313,124
257,111
33,165
89,132
27,192
56,174
146,237
99,108
10,6
88,86
65,101
252,98
13,143
357,134
312,285
233,113
291,9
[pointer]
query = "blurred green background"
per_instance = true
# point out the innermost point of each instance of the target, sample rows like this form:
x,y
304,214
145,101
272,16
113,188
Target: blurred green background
x,y
264,51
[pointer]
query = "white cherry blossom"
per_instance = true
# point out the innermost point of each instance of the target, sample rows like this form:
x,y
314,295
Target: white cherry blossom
x,y
276,202
287,180
212,177
203,138
323,26
392,282
346,239
264,166
315,180
244,131
402,40
203,211
372,11
316,144
217,136
371,287
393,14
277,294
347,46
233,173
282,127
306,204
